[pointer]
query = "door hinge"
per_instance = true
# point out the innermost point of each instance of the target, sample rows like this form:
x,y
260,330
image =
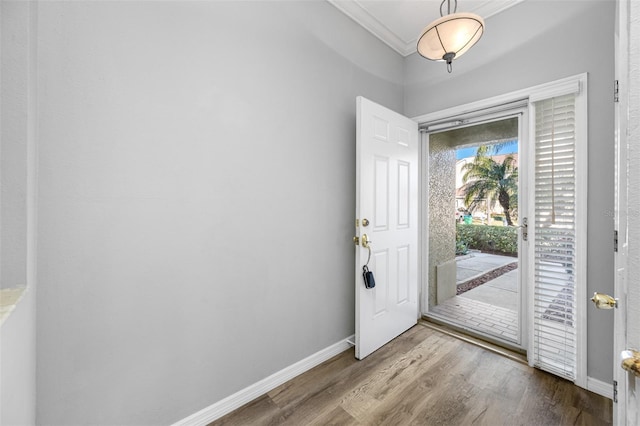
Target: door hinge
x,y
616,91
615,241
615,391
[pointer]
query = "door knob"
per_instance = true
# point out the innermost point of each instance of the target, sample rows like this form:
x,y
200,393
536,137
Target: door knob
x,y
604,301
631,361
364,241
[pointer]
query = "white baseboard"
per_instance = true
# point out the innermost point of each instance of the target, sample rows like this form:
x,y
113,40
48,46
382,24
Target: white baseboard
x,y
238,399
600,387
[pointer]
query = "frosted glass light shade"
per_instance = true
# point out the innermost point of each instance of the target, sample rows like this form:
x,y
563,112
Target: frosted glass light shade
x,y
450,36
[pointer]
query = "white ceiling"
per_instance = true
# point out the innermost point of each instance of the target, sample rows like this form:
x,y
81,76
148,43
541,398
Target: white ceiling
x,y
399,23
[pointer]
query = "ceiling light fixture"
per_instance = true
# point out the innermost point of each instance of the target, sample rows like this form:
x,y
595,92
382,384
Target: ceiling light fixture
x,y
450,36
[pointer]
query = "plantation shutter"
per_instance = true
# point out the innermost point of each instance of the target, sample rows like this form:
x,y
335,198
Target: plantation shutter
x,y
555,237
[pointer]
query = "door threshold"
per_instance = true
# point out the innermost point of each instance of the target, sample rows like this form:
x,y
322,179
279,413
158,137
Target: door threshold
x,y
513,353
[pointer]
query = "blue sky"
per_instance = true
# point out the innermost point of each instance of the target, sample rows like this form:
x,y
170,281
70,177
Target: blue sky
x,y
471,151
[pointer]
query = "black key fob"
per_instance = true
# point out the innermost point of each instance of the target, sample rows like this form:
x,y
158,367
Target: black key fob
x,y
369,281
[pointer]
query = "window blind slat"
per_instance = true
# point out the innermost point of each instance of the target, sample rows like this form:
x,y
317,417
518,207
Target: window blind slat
x,y
554,237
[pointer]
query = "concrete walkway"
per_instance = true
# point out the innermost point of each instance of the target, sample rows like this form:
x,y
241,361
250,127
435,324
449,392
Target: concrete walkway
x,y
501,291
476,264
490,308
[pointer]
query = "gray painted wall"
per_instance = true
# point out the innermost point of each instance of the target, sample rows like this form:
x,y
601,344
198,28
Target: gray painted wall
x,y
13,151
17,220
196,198
534,43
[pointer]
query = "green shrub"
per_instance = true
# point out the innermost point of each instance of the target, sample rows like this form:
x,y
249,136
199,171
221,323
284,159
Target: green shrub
x,y
461,248
501,239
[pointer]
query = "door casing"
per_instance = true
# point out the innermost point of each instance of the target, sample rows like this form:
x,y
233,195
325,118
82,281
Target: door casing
x,y
499,104
517,111
624,410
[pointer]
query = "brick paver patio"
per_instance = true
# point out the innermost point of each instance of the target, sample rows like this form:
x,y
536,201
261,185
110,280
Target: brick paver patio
x,y
480,316
490,308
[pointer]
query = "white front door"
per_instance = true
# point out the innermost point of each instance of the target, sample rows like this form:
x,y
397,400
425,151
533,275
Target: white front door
x,y
387,169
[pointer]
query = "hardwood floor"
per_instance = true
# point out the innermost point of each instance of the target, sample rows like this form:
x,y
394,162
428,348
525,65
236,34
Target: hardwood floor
x,y
425,377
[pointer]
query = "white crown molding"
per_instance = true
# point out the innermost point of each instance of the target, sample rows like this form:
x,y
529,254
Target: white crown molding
x,y
493,7
354,10
369,22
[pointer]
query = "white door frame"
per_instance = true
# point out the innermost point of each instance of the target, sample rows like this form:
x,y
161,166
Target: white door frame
x,y
514,110
505,101
620,218
626,411
524,193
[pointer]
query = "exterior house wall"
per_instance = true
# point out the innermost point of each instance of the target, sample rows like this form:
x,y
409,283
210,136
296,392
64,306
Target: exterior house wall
x,y
442,228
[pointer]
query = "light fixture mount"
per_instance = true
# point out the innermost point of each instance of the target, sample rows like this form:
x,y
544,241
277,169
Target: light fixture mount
x,y
448,57
450,36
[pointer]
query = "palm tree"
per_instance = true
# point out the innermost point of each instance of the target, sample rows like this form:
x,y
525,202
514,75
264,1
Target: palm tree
x,y
495,148
487,179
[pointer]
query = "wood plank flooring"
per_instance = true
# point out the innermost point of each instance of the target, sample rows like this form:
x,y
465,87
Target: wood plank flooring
x,y
425,377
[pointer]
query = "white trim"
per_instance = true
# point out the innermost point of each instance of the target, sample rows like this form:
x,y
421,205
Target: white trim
x,y
356,11
524,201
600,387
370,23
424,189
248,394
582,162
531,199
490,8
621,206
552,88
558,88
